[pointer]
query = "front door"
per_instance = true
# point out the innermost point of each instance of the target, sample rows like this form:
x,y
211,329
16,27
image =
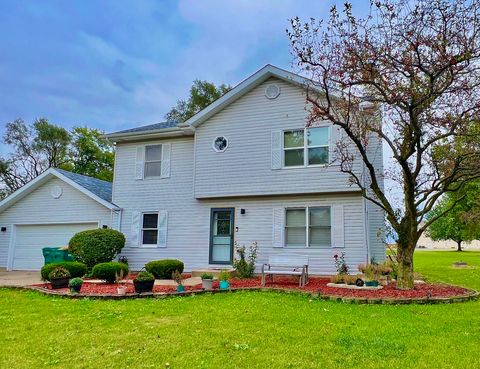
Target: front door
x,y
221,235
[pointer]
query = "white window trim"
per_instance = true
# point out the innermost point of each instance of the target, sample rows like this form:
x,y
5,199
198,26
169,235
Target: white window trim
x,y
145,161
215,139
305,148
148,245
307,227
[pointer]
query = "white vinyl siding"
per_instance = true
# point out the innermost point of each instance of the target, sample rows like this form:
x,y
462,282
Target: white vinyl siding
x,y
254,126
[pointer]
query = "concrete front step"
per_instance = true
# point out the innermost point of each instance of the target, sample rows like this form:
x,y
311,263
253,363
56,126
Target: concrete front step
x,y
214,271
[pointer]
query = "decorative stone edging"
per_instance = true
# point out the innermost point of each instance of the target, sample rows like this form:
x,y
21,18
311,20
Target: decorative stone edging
x,y
471,295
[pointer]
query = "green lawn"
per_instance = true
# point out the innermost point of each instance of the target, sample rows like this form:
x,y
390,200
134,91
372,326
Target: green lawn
x,y
244,330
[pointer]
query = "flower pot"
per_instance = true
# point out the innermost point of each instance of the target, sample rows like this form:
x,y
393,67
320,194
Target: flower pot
x,y
143,286
75,289
180,288
122,290
207,284
224,285
371,283
59,283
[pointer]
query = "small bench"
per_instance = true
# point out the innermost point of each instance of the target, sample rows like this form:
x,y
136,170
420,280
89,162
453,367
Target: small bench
x,y
286,265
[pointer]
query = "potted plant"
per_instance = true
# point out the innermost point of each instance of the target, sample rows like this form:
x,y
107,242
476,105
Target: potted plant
x,y
144,282
75,284
121,289
371,275
224,278
207,281
178,278
59,277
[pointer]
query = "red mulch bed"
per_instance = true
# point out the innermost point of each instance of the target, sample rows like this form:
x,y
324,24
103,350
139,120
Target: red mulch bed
x,y
421,291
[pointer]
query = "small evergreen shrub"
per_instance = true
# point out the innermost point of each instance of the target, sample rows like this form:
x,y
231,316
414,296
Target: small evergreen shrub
x,y
144,277
163,269
109,271
75,269
96,246
59,273
75,282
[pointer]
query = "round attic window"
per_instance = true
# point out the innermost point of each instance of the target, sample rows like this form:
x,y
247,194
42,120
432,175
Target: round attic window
x,y
56,192
220,144
272,92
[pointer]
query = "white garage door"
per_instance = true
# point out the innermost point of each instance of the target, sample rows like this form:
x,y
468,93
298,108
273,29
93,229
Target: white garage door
x,y
30,239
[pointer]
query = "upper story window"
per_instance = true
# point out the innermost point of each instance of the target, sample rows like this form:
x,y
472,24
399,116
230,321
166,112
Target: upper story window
x,y
153,161
305,147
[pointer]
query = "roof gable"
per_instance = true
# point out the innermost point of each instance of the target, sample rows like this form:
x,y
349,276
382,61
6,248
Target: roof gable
x,y
98,190
241,89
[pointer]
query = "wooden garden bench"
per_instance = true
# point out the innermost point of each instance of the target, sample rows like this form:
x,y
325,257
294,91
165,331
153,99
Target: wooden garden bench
x,y
286,265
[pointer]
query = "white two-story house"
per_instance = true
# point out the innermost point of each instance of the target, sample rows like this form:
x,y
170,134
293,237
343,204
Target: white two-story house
x,y
245,169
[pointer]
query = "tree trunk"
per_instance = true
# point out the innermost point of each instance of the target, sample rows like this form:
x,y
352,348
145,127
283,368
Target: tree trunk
x,y
405,267
459,246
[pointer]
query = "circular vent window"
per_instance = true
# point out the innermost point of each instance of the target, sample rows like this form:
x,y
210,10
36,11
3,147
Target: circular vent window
x,y
220,144
272,91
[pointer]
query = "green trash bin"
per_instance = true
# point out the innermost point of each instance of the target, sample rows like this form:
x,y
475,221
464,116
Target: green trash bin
x,y
55,255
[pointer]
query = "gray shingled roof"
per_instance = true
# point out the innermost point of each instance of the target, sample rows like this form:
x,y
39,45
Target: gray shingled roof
x,y
150,127
102,189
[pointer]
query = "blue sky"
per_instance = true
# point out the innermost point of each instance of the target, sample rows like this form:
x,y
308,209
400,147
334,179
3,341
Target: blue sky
x,y
118,64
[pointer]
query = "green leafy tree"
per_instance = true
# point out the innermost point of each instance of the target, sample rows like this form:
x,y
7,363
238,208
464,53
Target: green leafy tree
x,y
90,154
202,94
459,222
41,145
35,148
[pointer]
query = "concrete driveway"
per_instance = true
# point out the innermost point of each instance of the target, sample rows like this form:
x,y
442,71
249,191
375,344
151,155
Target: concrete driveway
x,y
18,278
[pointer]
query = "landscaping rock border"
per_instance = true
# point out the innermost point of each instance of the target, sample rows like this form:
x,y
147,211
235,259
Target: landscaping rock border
x,y
472,295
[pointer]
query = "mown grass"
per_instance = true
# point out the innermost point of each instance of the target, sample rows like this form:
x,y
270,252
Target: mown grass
x,y
243,330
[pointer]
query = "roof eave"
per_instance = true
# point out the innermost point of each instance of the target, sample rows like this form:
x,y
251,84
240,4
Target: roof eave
x,y
157,133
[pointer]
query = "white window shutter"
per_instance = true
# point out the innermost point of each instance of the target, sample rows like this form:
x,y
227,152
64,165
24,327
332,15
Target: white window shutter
x,y
278,224
162,228
334,137
338,226
135,231
140,162
276,149
166,150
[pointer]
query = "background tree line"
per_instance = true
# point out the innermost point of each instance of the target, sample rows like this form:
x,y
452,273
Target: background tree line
x,y
41,145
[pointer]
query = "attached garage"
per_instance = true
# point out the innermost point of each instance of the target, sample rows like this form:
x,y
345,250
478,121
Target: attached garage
x,y
47,212
30,239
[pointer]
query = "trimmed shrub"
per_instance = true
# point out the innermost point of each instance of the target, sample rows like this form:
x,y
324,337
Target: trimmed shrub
x,y
96,246
144,277
163,269
75,268
109,271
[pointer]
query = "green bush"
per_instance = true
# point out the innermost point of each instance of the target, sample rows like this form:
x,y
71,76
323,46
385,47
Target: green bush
x,y
144,277
163,269
74,282
75,268
206,276
109,271
96,246
59,273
